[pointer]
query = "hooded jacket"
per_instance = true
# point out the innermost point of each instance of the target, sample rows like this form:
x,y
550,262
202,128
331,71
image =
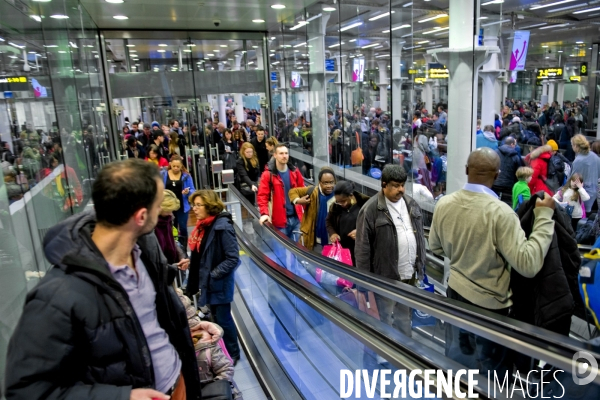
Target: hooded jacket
x,y
509,163
271,185
539,159
548,300
212,269
79,336
376,248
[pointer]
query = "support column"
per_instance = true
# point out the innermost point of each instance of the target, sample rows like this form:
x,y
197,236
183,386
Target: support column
x,y
598,123
463,61
560,92
383,84
396,81
238,99
283,92
489,73
428,95
550,92
504,91
317,86
436,93
221,100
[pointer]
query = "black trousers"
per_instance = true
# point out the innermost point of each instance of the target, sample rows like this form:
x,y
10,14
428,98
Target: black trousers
x,y
476,352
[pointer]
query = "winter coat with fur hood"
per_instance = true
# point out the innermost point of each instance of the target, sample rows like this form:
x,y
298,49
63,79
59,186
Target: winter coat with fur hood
x,y
538,159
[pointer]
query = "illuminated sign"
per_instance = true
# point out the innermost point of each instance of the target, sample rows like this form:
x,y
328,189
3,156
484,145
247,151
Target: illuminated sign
x,y
549,73
519,51
575,78
583,69
358,70
438,71
420,80
413,71
296,80
13,83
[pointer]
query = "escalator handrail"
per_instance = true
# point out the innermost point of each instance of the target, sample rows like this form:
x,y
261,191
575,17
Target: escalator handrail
x,y
533,341
399,350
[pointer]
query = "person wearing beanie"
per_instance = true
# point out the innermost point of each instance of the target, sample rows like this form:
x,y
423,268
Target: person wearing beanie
x,y
155,124
556,167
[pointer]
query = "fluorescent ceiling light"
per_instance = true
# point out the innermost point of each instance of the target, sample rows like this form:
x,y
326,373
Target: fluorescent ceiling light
x,y
385,14
441,33
407,35
1,40
120,17
398,27
130,45
559,51
534,25
210,55
483,17
62,52
551,4
133,51
251,62
336,45
408,4
432,18
187,51
424,41
272,38
586,11
300,44
278,6
383,55
354,25
579,42
566,8
544,46
258,21
59,16
314,17
553,26
161,51
370,45
351,40
163,45
222,45
299,25
329,8
36,18
436,30
492,2
496,22
16,45
275,63
114,1
48,46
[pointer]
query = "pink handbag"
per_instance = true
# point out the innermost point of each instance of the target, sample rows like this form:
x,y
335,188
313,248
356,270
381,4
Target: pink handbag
x,y
336,252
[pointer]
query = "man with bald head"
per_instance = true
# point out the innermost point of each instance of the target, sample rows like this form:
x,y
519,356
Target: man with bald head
x,y
483,239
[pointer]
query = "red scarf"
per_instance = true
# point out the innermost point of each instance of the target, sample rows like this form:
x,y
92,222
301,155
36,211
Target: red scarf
x,y
195,239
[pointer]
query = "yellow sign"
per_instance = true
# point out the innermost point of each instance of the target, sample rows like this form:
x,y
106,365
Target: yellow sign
x,y
14,79
420,80
413,71
546,73
439,73
575,78
584,69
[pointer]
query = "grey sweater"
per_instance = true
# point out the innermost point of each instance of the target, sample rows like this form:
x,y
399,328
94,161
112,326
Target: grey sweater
x,y
588,166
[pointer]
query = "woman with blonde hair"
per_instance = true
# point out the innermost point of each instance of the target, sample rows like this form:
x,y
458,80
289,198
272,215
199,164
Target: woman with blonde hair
x,y
271,143
586,164
248,172
164,231
571,196
215,257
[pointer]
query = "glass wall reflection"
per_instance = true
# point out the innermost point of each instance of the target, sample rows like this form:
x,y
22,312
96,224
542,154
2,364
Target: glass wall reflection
x,y
54,133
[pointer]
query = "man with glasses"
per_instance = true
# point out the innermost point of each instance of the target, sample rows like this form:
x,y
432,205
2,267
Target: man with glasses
x,y
390,242
318,200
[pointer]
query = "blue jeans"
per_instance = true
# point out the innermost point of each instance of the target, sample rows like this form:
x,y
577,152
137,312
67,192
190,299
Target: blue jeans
x,y
292,224
222,317
180,222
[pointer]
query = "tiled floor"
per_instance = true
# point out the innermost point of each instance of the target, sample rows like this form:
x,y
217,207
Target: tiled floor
x,y
246,381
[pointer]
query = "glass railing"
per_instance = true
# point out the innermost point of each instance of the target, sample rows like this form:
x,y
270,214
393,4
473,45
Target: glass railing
x,y
473,337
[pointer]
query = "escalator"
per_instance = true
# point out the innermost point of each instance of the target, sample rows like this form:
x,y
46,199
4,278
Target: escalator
x,y
303,338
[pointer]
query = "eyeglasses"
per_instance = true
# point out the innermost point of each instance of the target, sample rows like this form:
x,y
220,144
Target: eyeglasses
x,y
197,205
328,183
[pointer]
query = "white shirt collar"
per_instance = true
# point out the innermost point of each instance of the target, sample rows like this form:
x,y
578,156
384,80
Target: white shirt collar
x,y
476,188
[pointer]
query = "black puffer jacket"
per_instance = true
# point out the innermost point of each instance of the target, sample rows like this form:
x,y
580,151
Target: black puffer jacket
x,y
79,337
509,163
548,299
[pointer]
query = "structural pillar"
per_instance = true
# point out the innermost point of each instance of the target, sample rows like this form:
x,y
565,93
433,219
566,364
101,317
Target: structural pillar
x,y
221,99
383,84
238,98
317,85
396,81
436,93
428,95
283,92
489,73
550,92
545,92
560,92
463,61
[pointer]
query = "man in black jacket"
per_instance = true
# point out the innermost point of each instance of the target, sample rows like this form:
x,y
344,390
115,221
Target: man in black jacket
x,y
260,145
510,161
104,323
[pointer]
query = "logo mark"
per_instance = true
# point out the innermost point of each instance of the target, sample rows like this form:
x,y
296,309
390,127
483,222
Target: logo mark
x,y
584,364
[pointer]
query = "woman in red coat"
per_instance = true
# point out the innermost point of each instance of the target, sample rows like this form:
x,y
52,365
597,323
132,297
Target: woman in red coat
x,y
538,159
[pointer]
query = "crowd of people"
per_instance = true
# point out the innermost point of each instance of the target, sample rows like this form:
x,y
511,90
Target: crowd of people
x,y
122,330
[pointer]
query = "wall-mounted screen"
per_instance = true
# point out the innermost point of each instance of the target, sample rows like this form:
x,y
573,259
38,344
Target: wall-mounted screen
x,y
358,70
296,80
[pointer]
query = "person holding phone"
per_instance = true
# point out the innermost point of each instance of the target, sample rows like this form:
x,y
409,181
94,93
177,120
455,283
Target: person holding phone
x,y
178,180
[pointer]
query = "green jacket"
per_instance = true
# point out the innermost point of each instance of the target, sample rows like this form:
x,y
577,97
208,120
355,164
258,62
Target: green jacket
x,y
520,188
